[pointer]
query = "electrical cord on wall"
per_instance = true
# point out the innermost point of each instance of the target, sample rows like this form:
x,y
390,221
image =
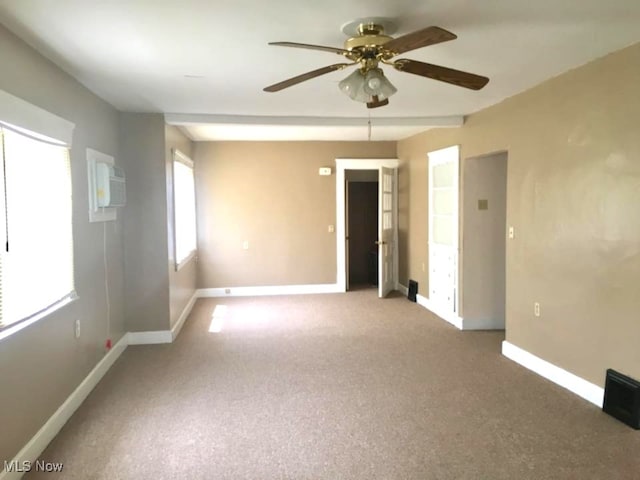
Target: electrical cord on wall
x,y
106,282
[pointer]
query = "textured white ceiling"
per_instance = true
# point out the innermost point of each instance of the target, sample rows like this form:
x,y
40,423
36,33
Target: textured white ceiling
x,y
211,57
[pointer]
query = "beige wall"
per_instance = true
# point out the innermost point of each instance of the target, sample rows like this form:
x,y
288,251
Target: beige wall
x,y
142,148
270,194
43,363
572,195
182,283
483,240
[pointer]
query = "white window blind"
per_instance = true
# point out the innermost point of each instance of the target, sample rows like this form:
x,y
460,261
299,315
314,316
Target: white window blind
x,y
36,260
184,203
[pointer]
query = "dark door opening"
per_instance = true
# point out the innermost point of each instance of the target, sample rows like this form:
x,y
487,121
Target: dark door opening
x,y
362,228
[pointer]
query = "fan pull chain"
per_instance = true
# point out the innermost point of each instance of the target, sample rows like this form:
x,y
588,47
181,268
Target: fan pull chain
x,y
369,129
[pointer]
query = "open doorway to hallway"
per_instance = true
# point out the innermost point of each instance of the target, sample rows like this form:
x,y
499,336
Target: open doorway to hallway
x,y
484,223
387,240
362,228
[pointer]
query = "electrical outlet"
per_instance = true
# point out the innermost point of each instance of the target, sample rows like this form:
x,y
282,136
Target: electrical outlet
x,y
331,229
77,328
536,309
512,233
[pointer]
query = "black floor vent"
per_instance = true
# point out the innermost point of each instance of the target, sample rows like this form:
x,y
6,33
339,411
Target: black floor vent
x,y
413,290
622,398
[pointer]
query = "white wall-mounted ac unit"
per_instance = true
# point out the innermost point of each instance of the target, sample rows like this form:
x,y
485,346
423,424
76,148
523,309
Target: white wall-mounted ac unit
x,y
107,186
110,186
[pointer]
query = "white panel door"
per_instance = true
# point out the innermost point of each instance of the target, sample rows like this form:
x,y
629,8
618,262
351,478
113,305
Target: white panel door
x,y
443,229
387,231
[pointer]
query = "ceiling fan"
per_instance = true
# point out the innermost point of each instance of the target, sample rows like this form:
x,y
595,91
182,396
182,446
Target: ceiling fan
x,y
369,46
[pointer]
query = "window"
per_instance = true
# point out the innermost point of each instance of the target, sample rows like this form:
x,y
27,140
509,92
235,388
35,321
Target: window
x,y
36,253
184,208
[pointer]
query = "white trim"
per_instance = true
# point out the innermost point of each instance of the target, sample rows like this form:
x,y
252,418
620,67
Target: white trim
x,y
185,260
32,450
20,113
343,164
450,317
16,327
150,337
179,157
455,320
573,383
175,330
435,158
189,119
268,290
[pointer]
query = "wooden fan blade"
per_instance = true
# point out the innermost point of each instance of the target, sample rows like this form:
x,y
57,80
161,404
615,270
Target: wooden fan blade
x,y
339,51
418,39
443,74
305,76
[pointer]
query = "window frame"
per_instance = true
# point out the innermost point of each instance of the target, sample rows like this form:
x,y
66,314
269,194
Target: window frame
x,y
179,157
8,329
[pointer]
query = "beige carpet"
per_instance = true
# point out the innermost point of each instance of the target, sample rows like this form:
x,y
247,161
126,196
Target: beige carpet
x,y
341,386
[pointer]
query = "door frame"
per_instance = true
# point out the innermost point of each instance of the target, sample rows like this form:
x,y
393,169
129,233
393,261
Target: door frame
x,y
343,164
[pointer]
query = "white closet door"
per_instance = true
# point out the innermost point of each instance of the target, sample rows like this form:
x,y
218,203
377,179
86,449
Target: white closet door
x,y
443,228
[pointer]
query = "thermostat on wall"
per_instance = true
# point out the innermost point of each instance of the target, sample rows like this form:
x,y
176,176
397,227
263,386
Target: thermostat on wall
x,y
325,171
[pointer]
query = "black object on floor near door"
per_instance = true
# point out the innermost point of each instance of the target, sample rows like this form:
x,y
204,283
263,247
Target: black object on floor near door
x,y
622,398
413,290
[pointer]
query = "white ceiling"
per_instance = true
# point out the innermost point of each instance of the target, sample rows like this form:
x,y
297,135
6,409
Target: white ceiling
x,y
211,58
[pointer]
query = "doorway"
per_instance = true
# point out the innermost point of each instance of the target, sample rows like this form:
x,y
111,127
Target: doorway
x,y
362,229
387,241
484,213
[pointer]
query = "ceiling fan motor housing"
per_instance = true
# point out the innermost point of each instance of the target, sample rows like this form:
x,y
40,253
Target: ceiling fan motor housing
x,y
369,36
366,41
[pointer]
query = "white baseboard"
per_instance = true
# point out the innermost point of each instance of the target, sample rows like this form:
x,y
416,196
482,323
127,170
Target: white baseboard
x,y
32,450
175,330
459,322
452,318
163,336
573,383
268,290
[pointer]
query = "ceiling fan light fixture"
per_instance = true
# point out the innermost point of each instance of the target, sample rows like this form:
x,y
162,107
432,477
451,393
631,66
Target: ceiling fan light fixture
x,y
376,84
353,86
